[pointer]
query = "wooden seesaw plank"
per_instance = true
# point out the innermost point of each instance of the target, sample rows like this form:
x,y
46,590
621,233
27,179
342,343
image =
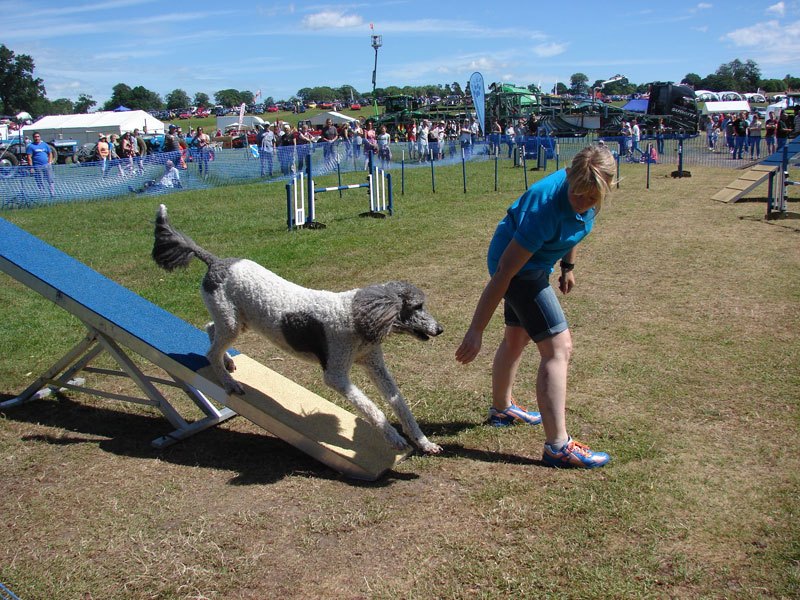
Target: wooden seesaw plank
x,y
321,429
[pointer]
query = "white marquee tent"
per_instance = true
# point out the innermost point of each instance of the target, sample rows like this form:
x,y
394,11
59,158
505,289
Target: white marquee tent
x,y
727,106
86,128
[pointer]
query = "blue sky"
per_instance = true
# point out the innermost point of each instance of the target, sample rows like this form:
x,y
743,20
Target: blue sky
x,y
279,47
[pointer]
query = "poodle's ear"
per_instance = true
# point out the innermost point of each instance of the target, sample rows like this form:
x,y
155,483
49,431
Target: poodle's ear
x,y
375,309
408,292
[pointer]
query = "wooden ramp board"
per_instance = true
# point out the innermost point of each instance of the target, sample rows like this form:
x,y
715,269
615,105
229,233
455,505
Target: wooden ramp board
x,y
747,181
179,348
321,429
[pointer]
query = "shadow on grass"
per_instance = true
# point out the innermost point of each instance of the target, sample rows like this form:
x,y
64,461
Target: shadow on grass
x,y
489,456
256,458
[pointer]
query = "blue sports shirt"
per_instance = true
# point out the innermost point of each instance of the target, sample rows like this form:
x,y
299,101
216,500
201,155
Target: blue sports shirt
x,y
543,222
40,153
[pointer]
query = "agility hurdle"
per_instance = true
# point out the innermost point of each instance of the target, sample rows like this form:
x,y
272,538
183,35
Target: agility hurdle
x,y
121,324
301,191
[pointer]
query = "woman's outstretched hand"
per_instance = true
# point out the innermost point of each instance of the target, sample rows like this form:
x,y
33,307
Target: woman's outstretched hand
x,y
470,346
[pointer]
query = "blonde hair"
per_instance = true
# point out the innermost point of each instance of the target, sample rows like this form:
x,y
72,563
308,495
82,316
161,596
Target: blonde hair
x,y
593,172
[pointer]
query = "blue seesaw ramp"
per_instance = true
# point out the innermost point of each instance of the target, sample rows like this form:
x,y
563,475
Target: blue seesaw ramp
x,y
67,281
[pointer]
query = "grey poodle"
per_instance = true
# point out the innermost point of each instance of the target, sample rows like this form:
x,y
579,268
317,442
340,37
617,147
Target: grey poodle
x,y
334,329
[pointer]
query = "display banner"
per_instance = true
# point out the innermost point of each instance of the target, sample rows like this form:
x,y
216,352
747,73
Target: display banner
x,y
478,101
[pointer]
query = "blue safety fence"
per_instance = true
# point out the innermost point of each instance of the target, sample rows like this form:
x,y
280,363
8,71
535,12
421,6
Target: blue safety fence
x,y
20,187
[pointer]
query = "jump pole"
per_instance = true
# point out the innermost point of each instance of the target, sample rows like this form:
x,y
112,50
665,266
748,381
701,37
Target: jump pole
x,y
295,202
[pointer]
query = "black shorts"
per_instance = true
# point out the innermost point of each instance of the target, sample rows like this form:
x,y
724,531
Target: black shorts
x,y
531,302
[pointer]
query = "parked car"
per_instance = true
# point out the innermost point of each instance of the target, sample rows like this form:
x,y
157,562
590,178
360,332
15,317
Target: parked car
x,y
355,106
272,108
325,105
185,115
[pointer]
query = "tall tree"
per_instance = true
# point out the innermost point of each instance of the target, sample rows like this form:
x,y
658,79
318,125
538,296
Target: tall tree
x,y
201,99
578,83
231,97
61,106
121,95
792,83
177,99
19,89
84,104
744,75
692,79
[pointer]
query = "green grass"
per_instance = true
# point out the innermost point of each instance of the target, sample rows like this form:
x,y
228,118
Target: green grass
x,y
685,370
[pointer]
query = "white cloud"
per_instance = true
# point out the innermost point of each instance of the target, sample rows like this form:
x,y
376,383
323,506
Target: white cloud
x,y
770,34
778,9
704,6
551,49
328,19
769,42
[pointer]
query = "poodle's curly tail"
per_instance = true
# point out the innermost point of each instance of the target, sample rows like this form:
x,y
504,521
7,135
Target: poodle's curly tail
x,y
171,248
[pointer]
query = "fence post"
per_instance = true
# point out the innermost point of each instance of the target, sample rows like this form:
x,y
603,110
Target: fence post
x,y
391,196
403,176
524,165
464,169
433,174
289,217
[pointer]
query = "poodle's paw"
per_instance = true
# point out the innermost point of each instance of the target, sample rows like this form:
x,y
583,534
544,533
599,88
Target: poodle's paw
x,y
429,447
230,366
234,387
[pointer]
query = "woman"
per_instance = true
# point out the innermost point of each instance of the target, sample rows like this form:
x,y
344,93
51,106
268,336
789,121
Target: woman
x,y
126,151
370,143
770,128
543,225
754,136
202,141
358,140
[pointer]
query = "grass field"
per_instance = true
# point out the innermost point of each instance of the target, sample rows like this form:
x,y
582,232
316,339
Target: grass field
x,y
686,369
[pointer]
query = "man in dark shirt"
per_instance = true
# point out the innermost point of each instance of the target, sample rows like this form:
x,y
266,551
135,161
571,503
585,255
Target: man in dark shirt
x,y
329,138
740,125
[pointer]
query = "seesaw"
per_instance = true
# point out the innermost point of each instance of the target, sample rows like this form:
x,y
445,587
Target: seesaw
x,y
120,322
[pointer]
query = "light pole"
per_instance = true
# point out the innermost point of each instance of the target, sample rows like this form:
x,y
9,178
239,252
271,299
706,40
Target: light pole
x,y
377,42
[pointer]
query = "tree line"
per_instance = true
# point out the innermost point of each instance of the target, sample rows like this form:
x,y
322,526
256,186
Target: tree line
x,y
734,76
20,90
